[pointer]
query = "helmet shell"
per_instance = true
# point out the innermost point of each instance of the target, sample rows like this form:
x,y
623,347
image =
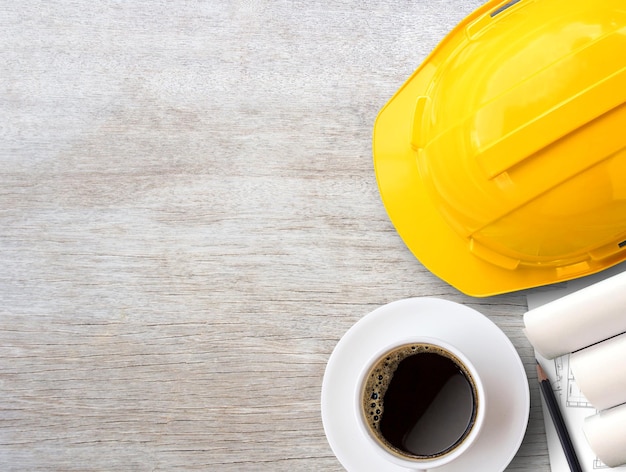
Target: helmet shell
x,y
502,160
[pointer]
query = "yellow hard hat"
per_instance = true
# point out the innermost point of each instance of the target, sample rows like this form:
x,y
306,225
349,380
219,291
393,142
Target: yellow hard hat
x,y
502,160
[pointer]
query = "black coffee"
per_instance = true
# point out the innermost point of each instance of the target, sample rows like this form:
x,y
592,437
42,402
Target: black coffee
x,y
419,401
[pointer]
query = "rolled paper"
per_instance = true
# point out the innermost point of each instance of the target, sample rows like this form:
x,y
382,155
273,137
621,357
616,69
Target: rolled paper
x,y
579,319
606,435
599,372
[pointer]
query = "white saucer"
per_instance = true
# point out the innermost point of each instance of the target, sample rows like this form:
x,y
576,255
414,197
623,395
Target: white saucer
x,y
482,342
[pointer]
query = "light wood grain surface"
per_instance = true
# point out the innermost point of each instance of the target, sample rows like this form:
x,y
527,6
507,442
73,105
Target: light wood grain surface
x,y
189,222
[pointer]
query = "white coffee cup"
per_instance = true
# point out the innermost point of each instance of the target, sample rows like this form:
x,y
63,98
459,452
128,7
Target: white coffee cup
x,y
460,421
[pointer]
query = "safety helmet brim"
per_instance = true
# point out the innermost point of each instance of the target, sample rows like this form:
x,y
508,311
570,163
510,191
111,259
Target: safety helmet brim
x,y
422,227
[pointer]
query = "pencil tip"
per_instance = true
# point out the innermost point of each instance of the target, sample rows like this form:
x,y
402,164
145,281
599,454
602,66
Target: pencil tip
x,y
541,374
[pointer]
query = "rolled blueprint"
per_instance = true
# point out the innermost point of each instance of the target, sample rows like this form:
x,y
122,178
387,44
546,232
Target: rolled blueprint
x,y
606,434
599,372
580,319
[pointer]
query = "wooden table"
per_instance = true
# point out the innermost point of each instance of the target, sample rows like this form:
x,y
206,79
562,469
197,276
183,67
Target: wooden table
x,y
189,222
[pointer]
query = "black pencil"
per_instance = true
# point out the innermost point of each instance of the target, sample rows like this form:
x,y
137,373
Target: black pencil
x,y
557,419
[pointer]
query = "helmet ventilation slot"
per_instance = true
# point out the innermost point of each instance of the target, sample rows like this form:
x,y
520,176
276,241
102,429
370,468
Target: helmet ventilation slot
x,y
503,7
622,244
